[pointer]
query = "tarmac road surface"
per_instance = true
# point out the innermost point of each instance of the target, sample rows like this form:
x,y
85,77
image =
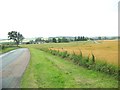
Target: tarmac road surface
x,y
12,67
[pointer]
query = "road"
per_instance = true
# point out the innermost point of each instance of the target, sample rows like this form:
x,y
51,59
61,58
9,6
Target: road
x,y
12,67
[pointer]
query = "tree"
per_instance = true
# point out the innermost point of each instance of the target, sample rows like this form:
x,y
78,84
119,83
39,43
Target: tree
x,y
31,41
16,36
59,40
83,38
38,40
54,40
75,39
64,39
79,39
99,38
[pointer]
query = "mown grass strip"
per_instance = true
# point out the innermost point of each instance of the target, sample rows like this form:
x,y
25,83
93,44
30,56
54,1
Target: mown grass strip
x,y
48,71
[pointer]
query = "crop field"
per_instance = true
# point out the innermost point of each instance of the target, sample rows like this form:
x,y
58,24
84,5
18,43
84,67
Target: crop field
x,y
106,51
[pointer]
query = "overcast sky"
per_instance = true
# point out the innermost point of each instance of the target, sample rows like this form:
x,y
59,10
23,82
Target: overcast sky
x,y
36,18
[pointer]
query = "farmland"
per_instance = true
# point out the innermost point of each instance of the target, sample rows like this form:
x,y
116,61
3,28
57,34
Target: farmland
x,y
106,51
103,50
48,71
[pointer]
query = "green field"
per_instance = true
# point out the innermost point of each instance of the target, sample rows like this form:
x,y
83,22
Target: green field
x,y
48,71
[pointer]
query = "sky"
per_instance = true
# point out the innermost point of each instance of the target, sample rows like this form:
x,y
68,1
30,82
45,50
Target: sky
x,y
47,18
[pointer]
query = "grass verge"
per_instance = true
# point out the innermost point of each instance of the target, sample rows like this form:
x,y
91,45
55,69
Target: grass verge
x,y
48,71
7,49
88,62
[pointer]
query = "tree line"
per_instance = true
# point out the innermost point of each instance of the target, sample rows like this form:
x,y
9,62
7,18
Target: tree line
x,y
18,38
58,40
64,39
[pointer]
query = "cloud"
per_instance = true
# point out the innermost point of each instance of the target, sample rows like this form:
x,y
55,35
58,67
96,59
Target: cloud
x,y
34,18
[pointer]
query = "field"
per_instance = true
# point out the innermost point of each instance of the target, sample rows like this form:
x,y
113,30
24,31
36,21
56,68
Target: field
x,y
48,71
106,51
103,50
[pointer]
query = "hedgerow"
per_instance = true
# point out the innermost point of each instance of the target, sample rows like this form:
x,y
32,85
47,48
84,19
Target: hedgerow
x,y
88,62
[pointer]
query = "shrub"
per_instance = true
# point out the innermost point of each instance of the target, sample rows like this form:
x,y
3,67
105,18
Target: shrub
x,y
93,58
65,54
89,62
2,47
75,59
85,61
80,58
60,54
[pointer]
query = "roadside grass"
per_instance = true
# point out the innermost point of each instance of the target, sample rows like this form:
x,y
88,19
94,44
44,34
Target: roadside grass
x,y
7,49
48,71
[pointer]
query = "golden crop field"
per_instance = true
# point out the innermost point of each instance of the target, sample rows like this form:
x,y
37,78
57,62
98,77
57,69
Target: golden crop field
x,y
106,50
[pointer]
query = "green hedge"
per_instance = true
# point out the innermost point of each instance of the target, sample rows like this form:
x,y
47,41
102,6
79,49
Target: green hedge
x,y
87,62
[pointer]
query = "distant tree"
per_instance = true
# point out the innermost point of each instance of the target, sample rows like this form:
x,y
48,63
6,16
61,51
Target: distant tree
x,y
65,39
31,41
59,40
54,40
105,38
91,39
37,40
79,39
71,40
99,38
83,38
75,39
16,36
47,41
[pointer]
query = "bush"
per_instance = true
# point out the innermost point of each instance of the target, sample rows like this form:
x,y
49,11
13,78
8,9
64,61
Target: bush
x,y
75,59
93,58
65,54
85,61
80,58
2,47
89,63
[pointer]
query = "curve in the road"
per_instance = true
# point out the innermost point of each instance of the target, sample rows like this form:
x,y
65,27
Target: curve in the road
x,y
12,67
